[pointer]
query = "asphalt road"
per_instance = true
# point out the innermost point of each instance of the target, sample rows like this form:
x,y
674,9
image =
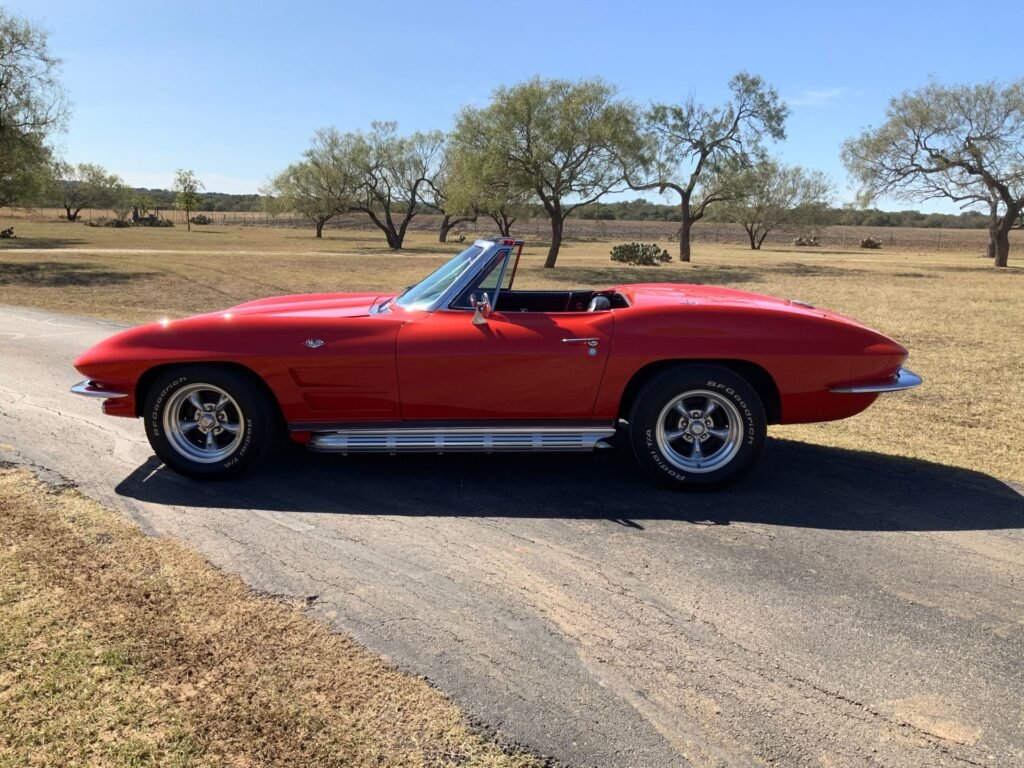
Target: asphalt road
x,y
836,609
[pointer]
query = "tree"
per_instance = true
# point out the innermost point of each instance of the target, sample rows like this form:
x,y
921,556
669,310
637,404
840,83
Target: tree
x,y
694,149
187,187
768,195
377,173
25,171
389,174
84,186
32,106
477,182
143,203
121,199
318,187
439,197
962,143
564,141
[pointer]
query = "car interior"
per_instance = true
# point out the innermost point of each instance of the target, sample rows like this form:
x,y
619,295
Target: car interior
x,y
559,301
546,301
509,300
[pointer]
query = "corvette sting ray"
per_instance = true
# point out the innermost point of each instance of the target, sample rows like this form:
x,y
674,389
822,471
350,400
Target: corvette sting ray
x,y
688,376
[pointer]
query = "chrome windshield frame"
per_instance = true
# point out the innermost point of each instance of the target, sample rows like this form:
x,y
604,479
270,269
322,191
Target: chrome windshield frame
x,y
489,248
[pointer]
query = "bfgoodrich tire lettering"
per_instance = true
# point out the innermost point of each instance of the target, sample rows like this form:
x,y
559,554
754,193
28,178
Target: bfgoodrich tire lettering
x,y
697,426
207,422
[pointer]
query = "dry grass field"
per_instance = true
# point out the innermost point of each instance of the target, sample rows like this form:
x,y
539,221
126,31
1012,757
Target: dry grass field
x,y
962,320
119,649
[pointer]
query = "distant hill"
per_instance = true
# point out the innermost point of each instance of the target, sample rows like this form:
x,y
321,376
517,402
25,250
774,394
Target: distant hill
x,y
208,201
163,199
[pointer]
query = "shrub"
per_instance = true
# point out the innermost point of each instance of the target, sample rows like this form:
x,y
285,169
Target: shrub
x,y
103,221
202,218
640,254
153,221
7,234
870,242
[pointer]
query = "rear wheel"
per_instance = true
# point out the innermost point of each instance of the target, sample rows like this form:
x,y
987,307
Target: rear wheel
x,y
207,422
697,426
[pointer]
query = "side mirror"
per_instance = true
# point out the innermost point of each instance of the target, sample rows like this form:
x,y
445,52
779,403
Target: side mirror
x,y
481,308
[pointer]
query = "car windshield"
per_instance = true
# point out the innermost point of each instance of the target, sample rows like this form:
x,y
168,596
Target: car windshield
x,y
428,290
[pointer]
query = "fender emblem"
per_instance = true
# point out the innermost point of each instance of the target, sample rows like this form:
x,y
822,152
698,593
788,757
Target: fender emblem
x,y
314,343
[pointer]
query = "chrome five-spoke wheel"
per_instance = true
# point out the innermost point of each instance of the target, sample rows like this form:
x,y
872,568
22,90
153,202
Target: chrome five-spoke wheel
x,y
203,423
697,425
699,431
208,421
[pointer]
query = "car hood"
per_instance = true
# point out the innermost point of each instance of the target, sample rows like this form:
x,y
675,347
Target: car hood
x,y
312,305
216,333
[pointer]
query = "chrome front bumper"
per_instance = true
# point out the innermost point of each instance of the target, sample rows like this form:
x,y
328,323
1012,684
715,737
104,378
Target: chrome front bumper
x,y
901,380
89,389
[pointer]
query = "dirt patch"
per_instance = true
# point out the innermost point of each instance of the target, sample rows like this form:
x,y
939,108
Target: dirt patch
x,y
937,717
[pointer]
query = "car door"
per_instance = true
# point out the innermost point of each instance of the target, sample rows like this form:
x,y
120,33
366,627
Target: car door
x,y
517,365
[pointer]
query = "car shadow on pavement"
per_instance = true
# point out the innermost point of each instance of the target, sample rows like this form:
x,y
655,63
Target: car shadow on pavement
x,y
795,484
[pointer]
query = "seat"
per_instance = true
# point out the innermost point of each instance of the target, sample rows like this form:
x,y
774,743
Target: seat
x,y
599,303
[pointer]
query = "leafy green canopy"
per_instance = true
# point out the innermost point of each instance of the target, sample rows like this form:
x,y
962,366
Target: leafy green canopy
x,y
32,106
696,151
963,143
563,142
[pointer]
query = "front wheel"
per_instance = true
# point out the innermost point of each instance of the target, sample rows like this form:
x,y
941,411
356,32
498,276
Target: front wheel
x,y
697,426
207,423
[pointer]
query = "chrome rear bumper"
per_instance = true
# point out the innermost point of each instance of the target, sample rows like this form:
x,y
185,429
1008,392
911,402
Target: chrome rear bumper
x,y
901,380
89,389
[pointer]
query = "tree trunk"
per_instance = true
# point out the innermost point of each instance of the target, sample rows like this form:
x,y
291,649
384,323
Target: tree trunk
x,y
993,228
556,240
503,222
71,216
394,236
188,219
684,237
319,228
685,225
754,245
1001,236
446,225
1002,243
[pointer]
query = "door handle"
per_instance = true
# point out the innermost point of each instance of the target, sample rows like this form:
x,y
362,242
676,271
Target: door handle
x,y
588,342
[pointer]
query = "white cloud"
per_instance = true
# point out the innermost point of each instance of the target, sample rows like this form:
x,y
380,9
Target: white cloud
x,y
816,97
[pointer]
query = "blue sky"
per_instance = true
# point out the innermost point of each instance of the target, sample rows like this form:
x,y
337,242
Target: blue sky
x,y
234,91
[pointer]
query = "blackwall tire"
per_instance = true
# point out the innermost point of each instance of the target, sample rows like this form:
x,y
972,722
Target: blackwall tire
x,y
208,423
697,427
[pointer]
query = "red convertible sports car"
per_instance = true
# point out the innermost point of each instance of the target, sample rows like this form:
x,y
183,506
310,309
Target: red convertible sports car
x,y
689,376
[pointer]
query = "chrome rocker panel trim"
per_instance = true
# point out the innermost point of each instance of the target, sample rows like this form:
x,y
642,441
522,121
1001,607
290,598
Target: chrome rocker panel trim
x,y
462,440
87,389
902,380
